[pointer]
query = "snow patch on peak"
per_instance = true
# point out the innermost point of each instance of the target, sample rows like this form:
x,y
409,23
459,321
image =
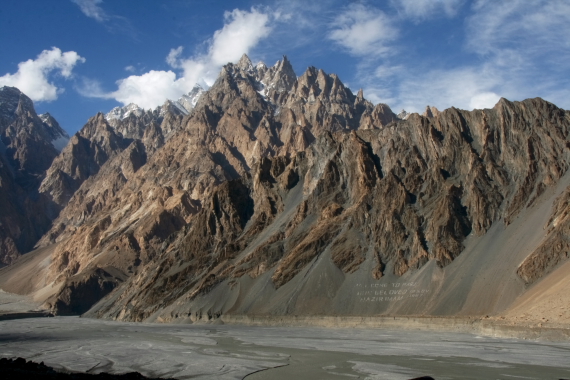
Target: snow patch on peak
x,y
120,113
403,115
59,138
45,117
245,63
170,103
189,101
184,104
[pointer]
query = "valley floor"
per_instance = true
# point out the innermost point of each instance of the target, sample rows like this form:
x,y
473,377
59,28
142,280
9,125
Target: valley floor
x,y
206,351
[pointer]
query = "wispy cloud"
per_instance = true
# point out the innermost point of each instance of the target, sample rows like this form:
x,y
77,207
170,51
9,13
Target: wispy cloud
x,y
516,51
33,76
517,26
363,30
91,8
463,87
241,32
499,49
113,23
422,9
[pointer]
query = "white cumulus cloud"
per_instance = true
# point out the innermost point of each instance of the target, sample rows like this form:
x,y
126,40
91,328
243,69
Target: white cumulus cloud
x,y
484,100
241,32
363,30
32,77
148,90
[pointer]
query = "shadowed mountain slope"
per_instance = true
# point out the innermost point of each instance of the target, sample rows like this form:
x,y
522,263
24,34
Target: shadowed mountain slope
x,y
28,145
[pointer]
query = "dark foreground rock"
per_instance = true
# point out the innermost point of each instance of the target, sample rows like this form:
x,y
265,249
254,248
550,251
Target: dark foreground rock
x,y
21,369
27,314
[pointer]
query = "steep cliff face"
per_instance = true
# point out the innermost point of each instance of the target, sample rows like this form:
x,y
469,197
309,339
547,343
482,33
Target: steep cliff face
x,y
279,194
28,145
390,201
136,200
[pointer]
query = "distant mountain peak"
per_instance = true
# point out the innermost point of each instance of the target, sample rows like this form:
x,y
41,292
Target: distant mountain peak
x,y
184,104
261,65
12,100
59,138
124,112
14,103
188,101
403,115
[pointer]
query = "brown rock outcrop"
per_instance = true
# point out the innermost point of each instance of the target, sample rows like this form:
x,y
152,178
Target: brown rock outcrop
x,y
555,248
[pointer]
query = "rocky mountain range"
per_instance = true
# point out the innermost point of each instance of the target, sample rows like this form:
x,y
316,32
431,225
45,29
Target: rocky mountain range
x,y
272,194
28,145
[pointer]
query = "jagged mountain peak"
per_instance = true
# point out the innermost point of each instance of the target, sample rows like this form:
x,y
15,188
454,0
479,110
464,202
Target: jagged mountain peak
x,y
59,137
403,114
270,82
431,111
317,84
280,76
188,101
46,117
124,112
184,105
284,65
245,63
13,102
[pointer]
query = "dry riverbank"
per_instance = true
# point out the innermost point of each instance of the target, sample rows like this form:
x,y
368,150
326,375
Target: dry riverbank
x,y
493,327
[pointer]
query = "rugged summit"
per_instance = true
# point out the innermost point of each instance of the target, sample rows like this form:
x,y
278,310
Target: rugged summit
x,y
185,104
279,194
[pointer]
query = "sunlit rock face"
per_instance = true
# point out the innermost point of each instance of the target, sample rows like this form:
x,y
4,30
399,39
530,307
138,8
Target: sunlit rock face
x,y
278,194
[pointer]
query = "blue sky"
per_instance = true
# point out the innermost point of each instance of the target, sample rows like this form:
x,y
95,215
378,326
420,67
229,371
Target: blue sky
x,y
77,57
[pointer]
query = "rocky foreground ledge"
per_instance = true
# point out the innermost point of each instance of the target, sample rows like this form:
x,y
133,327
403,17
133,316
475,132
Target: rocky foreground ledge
x,y
21,369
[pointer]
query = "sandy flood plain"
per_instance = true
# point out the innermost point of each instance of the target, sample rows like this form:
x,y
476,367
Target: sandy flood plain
x,y
250,352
